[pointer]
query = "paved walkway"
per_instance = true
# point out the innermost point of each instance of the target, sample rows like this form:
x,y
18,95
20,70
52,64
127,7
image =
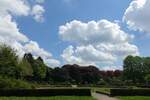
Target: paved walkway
x,y
102,97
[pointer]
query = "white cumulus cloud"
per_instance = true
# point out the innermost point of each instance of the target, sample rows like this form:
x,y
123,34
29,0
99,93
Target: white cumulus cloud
x,y
137,15
69,56
17,7
37,12
93,32
8,28
96,42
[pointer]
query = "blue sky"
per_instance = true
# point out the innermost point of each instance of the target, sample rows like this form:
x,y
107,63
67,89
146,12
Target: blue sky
x,y
57,13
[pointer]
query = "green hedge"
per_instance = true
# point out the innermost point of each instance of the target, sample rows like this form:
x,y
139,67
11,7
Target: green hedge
x,y
46,92
130,92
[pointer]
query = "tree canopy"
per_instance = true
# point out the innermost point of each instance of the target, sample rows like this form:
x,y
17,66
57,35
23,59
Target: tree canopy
x,y
136,68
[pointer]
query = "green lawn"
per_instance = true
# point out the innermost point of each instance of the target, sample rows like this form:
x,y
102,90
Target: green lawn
x,y
134,98
103,90
49,98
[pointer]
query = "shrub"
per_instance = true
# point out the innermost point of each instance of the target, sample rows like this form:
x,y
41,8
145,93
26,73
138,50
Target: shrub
x,y
147,79
102,82
130,92
9,83
46,92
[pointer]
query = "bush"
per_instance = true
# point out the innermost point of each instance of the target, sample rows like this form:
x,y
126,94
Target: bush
x,y
46,92
117,82
147,79
8,83
102,82
130,92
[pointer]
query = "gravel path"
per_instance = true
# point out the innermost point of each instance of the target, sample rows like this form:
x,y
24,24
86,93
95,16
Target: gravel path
x,y
102,97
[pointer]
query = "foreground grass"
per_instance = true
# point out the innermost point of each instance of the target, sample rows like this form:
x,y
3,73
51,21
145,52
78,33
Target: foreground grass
x,y
134,98
49,98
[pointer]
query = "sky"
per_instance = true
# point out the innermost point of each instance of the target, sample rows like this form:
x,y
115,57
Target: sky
x,y
84,32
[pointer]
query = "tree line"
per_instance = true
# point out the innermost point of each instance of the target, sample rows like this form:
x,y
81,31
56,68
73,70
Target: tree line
x,y
23,72
15,71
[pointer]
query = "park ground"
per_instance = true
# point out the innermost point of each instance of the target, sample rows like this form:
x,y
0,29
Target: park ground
x,y
48,98
95,96
134,98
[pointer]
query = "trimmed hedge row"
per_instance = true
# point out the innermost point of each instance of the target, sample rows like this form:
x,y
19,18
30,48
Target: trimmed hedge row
x,y
46,92
130,92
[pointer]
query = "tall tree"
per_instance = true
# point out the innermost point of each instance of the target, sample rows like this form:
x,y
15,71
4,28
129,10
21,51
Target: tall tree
x,y
146,65
38,66
59,75
74,73
134,69
9,62
26,68
39,69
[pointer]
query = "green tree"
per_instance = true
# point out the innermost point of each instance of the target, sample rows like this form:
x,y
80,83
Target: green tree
x,y
48,77
134,69
59,75
39,69
147,79
26,68
9,62
29,58
146,65
38,66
